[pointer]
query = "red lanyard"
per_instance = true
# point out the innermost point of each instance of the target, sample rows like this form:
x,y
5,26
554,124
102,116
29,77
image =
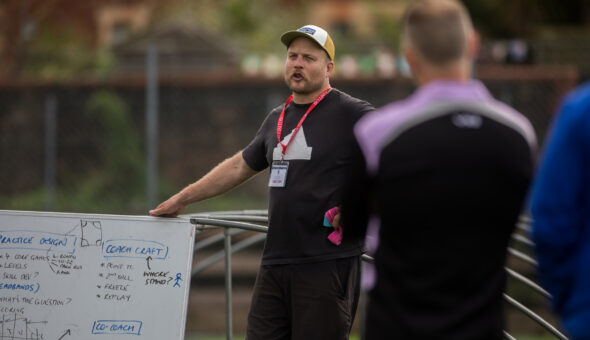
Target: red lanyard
x,y
282,116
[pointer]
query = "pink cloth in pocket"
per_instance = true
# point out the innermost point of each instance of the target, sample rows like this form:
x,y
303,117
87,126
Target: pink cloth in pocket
x,y
335,236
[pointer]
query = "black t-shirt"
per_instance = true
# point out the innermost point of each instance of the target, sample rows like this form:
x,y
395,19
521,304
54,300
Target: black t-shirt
x,y
318,157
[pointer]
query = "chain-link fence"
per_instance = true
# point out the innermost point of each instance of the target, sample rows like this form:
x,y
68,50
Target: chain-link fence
x,y
81,146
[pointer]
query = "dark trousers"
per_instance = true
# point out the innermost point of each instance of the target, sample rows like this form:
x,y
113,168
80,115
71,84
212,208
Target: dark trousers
x,y
305,301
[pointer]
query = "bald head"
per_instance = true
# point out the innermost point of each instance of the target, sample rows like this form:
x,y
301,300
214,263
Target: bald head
x,y
438,30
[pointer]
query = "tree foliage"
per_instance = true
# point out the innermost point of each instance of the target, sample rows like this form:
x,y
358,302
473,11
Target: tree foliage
x,y
41,35
58,38
524,18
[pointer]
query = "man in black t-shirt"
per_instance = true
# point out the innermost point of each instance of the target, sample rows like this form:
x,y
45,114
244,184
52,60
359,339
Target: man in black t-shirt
x,y
308,283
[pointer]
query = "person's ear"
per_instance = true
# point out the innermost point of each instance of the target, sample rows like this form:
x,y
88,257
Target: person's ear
x,y
412,58
329,67
473,43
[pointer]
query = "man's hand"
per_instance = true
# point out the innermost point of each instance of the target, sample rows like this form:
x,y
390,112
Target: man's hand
x,y
170,208
225,176
336,221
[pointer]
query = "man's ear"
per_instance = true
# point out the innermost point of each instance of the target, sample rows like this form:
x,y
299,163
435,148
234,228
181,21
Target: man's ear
x,y
412,58
473,42
329,67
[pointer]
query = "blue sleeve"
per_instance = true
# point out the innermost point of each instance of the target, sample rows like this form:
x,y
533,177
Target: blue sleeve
x,y
556,201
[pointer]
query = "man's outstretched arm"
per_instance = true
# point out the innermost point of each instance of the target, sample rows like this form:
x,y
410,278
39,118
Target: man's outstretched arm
x,y
225,176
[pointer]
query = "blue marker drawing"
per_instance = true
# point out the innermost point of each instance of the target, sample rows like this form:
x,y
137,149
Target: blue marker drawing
x,y
28,287
117,327
37,240
177,280
134,248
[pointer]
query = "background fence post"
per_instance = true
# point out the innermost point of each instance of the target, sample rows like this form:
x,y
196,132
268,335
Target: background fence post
x,y
152,126
50,150
228,284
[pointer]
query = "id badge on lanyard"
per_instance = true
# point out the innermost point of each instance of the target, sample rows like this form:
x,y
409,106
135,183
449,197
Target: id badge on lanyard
x,y
278,170
278,174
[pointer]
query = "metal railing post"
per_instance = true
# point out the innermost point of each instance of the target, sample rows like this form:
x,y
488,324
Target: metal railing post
x,y
235,222
228,284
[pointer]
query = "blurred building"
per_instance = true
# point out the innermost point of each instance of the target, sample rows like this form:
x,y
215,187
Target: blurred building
x,y
117,20
182,52
354,18
127,26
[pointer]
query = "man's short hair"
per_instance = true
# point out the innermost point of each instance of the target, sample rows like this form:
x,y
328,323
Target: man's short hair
x,y
437,29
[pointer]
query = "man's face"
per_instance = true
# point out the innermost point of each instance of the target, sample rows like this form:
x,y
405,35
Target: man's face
x,y
307,66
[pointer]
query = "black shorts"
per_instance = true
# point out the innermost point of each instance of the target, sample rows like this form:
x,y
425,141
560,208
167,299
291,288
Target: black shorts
x,y
305,301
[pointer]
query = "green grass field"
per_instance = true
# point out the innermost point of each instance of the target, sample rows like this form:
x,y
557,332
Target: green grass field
x,y
356,337
353,337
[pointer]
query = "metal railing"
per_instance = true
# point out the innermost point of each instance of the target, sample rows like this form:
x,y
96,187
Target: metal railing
x,y
237,222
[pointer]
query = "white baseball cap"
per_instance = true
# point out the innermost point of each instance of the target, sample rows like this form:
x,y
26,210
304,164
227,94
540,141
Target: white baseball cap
x,y
315,33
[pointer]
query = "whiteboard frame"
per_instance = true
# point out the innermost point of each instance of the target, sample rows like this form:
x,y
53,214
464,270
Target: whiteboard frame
x,y
138,218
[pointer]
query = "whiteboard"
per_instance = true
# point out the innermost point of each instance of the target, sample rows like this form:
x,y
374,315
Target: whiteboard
x,y
81,276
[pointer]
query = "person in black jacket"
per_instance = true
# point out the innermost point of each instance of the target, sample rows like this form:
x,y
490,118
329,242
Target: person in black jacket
x,y
438,186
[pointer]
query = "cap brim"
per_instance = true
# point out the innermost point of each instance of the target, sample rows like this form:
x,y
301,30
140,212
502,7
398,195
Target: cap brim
x,y
288,37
